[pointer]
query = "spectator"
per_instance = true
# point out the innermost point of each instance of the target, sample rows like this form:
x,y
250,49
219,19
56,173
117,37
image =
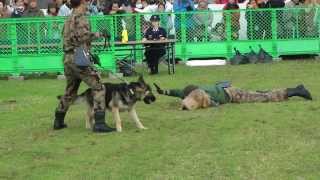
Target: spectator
x,y
218,33
52,9
161,8
263,24
252,17
106,6
152,7
235,18
183,5
129,20
168,7
33,10
52,30
127,7
93,9
4,11
166,20
139,4
290,19
202,20
149,6
144,3
65,9
18,9
307,26
279,17
115,8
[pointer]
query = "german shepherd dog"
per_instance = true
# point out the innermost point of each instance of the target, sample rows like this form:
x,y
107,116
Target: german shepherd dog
x,y
120,97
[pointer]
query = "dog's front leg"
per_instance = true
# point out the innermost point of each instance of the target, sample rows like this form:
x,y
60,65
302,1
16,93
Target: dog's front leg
x,y
135,118
117,119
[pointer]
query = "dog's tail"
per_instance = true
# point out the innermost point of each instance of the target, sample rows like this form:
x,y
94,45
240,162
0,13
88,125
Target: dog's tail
x,y
77,99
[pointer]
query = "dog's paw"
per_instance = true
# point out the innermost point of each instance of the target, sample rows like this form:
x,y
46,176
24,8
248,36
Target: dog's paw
x,y
119,130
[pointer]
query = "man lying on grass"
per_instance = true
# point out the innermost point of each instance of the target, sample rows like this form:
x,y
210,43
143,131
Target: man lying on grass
x,y
196,97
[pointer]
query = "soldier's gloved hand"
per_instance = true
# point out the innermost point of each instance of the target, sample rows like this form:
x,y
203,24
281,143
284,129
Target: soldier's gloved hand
x,y
159,90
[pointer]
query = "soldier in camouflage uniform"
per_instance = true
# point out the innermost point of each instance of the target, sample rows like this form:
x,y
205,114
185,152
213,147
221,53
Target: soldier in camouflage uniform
x,y
195,97
76,33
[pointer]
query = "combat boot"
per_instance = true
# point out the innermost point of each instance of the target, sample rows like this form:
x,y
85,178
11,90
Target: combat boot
x,y
99,125
59,120
300,91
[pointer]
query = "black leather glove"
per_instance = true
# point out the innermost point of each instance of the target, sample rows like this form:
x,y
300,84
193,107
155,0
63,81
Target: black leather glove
x,y
159,90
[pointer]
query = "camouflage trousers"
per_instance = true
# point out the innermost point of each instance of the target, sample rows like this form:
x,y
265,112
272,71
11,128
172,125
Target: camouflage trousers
x,y
74,76
242,96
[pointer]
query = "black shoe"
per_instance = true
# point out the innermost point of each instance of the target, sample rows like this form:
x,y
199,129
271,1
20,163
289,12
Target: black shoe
x,y
59,120
300,91
99,125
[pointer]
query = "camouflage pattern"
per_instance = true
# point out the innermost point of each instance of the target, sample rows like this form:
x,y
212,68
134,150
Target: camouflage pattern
x,y
242,96
77,33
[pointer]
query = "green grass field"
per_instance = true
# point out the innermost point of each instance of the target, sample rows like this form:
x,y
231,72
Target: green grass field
x,y
233,141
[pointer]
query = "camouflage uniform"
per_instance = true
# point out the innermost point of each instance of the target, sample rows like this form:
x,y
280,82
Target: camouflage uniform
x,y
222,95
241,96
195,97
76,32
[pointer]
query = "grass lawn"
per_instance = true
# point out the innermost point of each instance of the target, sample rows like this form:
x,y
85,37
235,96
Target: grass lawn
x,y
233,141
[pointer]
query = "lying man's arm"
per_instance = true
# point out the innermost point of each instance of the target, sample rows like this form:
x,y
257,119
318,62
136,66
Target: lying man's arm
x,y
170,92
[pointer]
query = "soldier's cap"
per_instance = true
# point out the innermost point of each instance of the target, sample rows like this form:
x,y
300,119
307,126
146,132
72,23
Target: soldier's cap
x,y
155,18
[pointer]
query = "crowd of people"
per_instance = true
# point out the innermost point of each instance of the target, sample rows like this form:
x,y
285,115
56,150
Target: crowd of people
x,y
304,22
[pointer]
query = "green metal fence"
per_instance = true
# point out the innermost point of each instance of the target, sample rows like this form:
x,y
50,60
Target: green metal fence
x,y
35,45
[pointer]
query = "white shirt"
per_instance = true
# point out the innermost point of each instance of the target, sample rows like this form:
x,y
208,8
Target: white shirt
x,y
148,9
168,7
64,10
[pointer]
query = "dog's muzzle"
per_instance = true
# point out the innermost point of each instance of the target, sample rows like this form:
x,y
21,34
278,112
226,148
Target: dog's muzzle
x,y
149,99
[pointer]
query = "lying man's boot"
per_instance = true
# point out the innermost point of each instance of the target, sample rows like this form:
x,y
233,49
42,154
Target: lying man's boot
x,y
99,125
59,120
300,91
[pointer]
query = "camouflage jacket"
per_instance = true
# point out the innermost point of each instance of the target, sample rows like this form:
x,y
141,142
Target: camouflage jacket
x,y
76,32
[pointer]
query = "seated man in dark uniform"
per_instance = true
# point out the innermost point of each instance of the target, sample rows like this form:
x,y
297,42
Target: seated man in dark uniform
x,y
154,51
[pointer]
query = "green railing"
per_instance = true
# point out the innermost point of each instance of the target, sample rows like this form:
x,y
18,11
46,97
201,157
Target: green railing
x,y
35,45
